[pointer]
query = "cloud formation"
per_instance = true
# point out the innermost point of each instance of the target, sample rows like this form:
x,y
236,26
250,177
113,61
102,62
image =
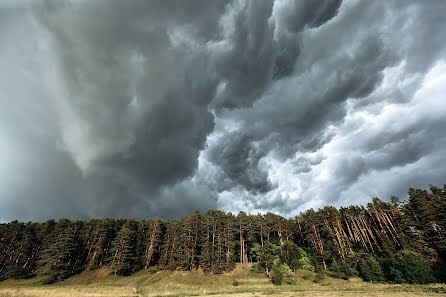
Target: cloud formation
x,y
162,107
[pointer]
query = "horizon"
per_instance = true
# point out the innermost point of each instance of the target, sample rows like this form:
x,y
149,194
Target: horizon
x,y
400,202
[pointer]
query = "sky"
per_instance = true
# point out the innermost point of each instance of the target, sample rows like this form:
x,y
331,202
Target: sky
x,y
113,108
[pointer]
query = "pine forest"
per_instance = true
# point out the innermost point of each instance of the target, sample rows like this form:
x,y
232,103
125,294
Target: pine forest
x,y
399,242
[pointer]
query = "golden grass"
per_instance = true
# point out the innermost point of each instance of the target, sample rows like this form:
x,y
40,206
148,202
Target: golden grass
x,y
196,283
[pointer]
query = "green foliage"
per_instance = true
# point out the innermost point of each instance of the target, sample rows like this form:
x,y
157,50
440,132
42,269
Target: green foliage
x,y
291,254
290,281
320,276
267,256
58,260
306,262
257,268
235,283
277,276
411,267
341,269
282,267
217,249
20,259
370,269
123,257
280,271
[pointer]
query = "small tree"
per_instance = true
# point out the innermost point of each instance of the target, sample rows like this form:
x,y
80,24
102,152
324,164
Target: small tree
x,y
320,276
291,254
276,276
267,256
342,270
370,269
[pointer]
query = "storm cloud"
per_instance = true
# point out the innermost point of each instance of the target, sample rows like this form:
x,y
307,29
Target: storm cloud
x,y
157,108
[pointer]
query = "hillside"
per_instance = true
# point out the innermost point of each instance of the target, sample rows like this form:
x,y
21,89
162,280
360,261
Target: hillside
x,y
196,283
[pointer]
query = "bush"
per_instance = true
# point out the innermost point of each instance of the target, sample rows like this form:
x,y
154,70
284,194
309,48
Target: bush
x,y
280,271
282,268
235,283
277,277
305,263
370,269
320,276
257,268
342,270
411,267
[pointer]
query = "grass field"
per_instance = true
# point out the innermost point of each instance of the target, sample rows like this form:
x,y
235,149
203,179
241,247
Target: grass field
x,y
196,283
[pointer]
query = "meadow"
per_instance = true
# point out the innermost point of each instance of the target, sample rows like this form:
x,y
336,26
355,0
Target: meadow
x,y
239,282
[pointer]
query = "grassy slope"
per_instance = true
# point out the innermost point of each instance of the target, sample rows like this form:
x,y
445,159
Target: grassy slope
x,y
167,283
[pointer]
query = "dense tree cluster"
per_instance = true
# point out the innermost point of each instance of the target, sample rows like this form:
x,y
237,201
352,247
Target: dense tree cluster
x,y
385,241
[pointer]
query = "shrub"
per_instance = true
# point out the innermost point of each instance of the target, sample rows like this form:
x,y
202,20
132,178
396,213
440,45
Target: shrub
x,y
235,283
280,271
305,263
283,268
277,277
411,267
370,269
320,276
257,268
342,270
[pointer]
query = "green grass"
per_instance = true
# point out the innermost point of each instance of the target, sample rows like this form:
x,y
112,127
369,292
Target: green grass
x,y
196,283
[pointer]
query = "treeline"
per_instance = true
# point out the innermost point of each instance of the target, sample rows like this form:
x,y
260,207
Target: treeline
x,y
385,241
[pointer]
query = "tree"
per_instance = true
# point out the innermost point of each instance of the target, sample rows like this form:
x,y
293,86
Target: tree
x,y
291,255
370,269
267,256
57,261
411,267
123,250
150,238
217,242
399,241
98,243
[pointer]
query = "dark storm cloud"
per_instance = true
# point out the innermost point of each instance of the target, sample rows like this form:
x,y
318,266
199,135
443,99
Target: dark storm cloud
x,y
239,160
145,108
337,73
128,112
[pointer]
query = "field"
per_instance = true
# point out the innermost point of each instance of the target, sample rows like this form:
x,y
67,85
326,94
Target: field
x,y
240,282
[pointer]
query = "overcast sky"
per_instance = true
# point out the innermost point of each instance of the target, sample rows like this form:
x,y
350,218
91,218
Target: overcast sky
x,y
157,108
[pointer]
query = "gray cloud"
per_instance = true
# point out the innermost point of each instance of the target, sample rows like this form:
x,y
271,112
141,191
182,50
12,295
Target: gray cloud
x,y
153,108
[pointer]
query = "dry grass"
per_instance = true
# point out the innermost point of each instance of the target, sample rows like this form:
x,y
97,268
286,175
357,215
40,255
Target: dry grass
x,y
196,283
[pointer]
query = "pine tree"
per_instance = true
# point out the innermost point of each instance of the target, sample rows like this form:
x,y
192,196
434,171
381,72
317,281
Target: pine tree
x,y
123,250
171,252
57,261
267,256
17,258
215,242
98,243
150,232
189,241
290,254
229,231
